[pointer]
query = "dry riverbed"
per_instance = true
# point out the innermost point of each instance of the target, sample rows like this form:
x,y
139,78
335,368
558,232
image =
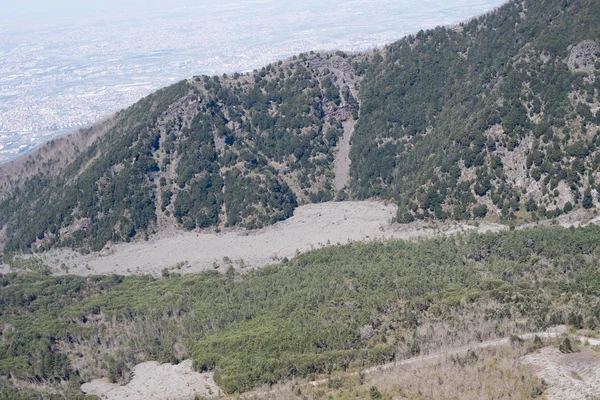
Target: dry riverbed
x,y
311,227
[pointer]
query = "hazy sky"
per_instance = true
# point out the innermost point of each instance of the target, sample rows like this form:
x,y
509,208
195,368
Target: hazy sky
x,y
48,10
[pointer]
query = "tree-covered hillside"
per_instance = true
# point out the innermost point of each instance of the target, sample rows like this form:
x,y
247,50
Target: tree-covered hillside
x,y
342,308
208,152
498,116
500,112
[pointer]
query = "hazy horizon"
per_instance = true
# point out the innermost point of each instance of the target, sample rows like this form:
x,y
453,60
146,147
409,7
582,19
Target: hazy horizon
x,y
52,11
65,64
48,12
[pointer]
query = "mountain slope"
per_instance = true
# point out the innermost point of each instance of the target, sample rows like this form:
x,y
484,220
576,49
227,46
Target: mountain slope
x,y
498,111
206,152
497,116
341,308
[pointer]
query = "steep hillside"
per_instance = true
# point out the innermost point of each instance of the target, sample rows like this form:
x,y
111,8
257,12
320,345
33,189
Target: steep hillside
x,y
211,151
501,111
495,117
342,308
51,157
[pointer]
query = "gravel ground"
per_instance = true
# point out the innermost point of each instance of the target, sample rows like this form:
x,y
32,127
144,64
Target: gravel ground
x,y
573,376
152,381
312,226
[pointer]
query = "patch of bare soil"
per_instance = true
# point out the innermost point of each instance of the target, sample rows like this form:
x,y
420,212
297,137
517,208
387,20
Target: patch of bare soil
x,y
311,227
582,56
342,159
152,381
569,376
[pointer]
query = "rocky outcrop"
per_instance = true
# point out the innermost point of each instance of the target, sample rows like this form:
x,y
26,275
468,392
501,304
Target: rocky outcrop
x,y
583,56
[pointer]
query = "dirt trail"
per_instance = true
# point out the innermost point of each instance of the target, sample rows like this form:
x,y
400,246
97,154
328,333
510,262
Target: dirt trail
x,y
154,381
549,334
342,159
587,364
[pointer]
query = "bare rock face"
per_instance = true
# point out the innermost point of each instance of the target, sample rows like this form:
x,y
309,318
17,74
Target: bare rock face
x,y
367,332
583,56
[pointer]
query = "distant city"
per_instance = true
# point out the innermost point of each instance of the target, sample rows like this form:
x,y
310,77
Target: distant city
x,y
57,78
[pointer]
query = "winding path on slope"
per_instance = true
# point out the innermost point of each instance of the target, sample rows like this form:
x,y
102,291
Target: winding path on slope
x,y
396,366
155,381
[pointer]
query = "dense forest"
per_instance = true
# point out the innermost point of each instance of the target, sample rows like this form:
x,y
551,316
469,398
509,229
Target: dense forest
x,y
496,117
341,308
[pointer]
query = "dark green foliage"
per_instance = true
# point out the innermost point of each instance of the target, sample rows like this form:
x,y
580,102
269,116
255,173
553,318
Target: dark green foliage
x,y
115,184
254,201
588,201
565,345
443,89
199,206
374,393
480,211
304,317
578,149
227,148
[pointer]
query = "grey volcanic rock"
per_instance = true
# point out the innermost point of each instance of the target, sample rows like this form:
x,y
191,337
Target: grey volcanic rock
x,y
583,56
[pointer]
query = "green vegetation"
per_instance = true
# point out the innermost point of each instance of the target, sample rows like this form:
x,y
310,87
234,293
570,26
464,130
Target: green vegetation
x,y
492,118
334,309
447,113
206,152
70,393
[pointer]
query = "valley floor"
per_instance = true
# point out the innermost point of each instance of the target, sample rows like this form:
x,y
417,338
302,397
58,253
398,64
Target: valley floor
x,y
312,226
